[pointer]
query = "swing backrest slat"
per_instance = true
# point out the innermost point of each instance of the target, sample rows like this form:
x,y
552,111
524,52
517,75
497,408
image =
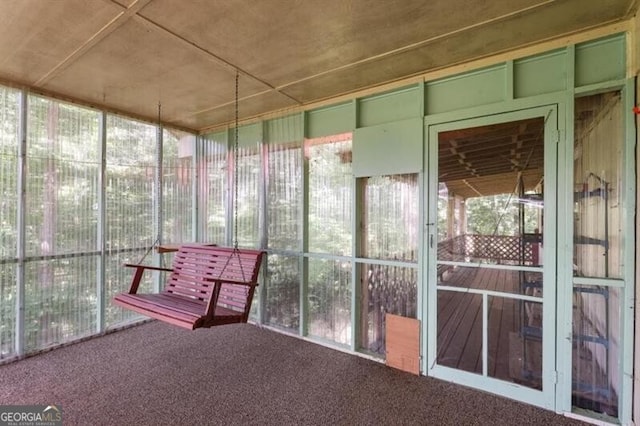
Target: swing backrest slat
x,y
196,267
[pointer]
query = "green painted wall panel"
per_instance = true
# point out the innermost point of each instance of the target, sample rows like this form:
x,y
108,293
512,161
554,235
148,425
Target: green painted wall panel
x,y
388,149
285,129
540,74
601,60
248,136
220,137
467,90
331,120
389,107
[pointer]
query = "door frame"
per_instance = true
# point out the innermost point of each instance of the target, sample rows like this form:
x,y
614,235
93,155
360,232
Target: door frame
x,y
433,125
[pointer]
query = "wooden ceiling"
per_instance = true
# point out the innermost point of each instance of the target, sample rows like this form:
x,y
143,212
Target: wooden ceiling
x,y
131,55
487,160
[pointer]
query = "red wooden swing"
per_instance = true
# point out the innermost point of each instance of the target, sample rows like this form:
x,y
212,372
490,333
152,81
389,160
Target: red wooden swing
x,y
209,285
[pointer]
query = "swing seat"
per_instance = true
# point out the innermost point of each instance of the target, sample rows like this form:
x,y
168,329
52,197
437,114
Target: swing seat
x,y
207,286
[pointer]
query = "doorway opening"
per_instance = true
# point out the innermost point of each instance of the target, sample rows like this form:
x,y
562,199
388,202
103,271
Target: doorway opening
x,y
489,252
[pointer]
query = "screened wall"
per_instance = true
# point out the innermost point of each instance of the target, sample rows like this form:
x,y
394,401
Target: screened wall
x,y
336,197
97,192
102,190
9,154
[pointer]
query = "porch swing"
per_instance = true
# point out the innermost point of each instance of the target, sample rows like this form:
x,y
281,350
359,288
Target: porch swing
x,y
208,285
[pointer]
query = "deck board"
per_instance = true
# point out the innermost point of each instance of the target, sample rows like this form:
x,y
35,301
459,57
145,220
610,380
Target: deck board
x,y
496,305
455,319
460,320
513,355
471,358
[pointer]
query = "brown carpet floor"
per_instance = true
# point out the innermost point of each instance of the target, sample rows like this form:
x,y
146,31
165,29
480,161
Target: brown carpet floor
x,y
157,374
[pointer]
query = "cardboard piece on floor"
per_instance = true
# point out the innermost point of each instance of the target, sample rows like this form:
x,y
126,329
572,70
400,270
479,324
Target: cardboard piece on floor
x,y
403,343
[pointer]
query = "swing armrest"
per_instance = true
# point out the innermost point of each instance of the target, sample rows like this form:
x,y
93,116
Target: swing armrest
x,y
137,276
153,268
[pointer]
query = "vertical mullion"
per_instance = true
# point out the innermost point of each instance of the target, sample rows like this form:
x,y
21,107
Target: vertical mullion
x,y
565,249
195,193
263,191
102,204
21,223
356,208
231,182
485,333
421,307
304,243
159,181
263,238
555,209
629,205
358,211
429,232
157,203
422,196
510,77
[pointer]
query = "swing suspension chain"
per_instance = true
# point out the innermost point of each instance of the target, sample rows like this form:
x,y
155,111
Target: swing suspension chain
x,y
236,160
156,180
235,169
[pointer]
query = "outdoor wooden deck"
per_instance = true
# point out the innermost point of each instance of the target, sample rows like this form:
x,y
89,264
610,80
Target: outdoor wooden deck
x,y
514,344
459,340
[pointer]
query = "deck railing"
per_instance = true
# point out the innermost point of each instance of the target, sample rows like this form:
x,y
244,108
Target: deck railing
x,y
503,249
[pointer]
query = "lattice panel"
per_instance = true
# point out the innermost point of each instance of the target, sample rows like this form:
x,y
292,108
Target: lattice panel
x,y
499,248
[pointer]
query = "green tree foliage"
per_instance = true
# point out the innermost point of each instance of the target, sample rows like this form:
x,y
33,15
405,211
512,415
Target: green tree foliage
x,y
62,213
498,215
61,195
284,198
9,119
62,221
177,185
330,199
